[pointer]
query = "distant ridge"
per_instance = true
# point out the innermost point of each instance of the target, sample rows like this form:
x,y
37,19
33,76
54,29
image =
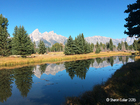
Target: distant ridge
x,y
50,38
103,39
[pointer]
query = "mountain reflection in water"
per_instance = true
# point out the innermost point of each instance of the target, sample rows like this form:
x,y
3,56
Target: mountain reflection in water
x,y
81,65
22,79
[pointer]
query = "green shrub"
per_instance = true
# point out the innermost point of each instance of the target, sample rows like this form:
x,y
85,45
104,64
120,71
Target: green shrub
x,y
97,50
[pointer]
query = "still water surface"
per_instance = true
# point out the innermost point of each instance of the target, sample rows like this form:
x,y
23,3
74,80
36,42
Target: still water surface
x,y
51,84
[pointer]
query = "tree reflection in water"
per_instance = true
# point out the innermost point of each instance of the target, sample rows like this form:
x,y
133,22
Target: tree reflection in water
x,y
81,67
99,60
110,60
124,83
127,57
42,68
6,79
78,68
23,79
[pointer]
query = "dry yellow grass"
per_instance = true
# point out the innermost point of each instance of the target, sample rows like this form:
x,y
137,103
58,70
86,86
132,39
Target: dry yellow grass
x,y
53,57
137,57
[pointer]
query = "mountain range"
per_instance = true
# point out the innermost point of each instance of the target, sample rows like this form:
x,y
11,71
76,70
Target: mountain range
x,y
50,38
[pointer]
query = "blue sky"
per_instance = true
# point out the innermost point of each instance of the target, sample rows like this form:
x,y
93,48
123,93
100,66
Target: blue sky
x,y
68,17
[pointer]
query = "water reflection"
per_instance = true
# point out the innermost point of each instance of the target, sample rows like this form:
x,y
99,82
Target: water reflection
x,y
48,69
99,60
110,60
23,81
42,68
123,85
6,79
127,59
39,70
78,68
23,77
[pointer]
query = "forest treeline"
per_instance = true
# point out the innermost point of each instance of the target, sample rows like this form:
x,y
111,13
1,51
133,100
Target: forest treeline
x,y
21,44
81,46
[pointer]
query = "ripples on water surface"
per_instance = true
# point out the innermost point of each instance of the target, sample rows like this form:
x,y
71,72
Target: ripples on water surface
x,y
50,84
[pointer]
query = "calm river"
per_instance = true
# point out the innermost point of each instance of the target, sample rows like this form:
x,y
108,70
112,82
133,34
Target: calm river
x,y
51,84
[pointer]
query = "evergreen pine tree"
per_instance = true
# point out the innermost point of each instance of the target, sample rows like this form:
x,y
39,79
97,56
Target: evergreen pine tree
x,y
74,48
119,47
84,44
3,36
34,44
133,19
111,45
15,42
87,48
9,46
126,45
135,46
42,48
97,45
71,48
101,44
68,46
131,47
135,43
97,48
91,47
79,44
66,50
76,45
21,43
107,45
33,48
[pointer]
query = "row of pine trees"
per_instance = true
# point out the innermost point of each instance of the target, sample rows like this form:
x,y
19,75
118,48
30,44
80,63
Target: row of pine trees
x,y
81,46
78,46
21,44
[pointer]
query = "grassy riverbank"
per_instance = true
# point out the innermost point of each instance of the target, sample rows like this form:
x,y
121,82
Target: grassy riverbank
x,y
137,57
54,57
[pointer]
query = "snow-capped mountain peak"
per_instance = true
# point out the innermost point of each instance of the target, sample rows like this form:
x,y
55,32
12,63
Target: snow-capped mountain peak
x,y
51,38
